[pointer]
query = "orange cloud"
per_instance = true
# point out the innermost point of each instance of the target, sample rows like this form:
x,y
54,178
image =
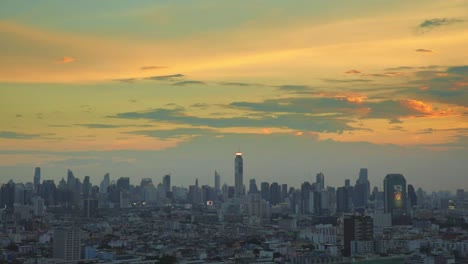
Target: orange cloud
x,y
66,60
353,71
418,106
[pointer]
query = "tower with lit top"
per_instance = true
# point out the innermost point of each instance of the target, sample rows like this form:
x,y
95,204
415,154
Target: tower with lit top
x,y
239,175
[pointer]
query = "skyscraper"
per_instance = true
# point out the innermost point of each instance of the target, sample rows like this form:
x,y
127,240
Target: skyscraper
x,y
239,175
320,181
217,182
275,193
167,183
342,200
104,184
395,195
67,242
253,186
37,179
265,190
362,189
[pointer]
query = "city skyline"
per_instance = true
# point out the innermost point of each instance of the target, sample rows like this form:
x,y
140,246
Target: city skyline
x,y
143,89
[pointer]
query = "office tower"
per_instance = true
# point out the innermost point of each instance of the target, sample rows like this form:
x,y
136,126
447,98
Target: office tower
x,y
86,187
395,195
347,183
412,197
167,183
123,184
71,180
37,179
308,199
361,189
284,192
275,193
320,181
253,186
460,194
49,192
67,242
342,200
208,194
231,192
7,195
356,228
239,175
265,190
217,182
105,183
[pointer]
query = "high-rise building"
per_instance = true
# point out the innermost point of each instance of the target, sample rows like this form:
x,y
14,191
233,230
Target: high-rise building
x,y
356,228
275,193
37,179
284,191
395,195
7,195
253,186
320,181
362,189
167,183
342,200
71,180
86,187
239,175
123,184
412,197
217,182
38,206
265,191
105,183
67,243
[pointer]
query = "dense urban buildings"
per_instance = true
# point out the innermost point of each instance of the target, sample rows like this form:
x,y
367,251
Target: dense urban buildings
x,y
150,222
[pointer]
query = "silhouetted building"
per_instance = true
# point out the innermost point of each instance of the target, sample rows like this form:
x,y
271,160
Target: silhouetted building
x,y
86,187
342,200
239,175
37,179
253,186
265,191
123,184
320,181
146,182
217,182
412,197
7,195
284,192
275,193
105,183
361,190
167,183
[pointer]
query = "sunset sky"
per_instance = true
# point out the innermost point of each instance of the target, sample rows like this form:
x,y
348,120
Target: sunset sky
x,y
144,88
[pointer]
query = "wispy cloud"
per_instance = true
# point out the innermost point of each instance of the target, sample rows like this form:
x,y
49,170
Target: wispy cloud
x,y
353,71
189,82
347,80
424,50
296,121
17,135
170,77
148,68
430,24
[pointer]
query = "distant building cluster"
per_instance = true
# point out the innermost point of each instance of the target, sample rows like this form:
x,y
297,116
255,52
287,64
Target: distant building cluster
x,y
117,222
